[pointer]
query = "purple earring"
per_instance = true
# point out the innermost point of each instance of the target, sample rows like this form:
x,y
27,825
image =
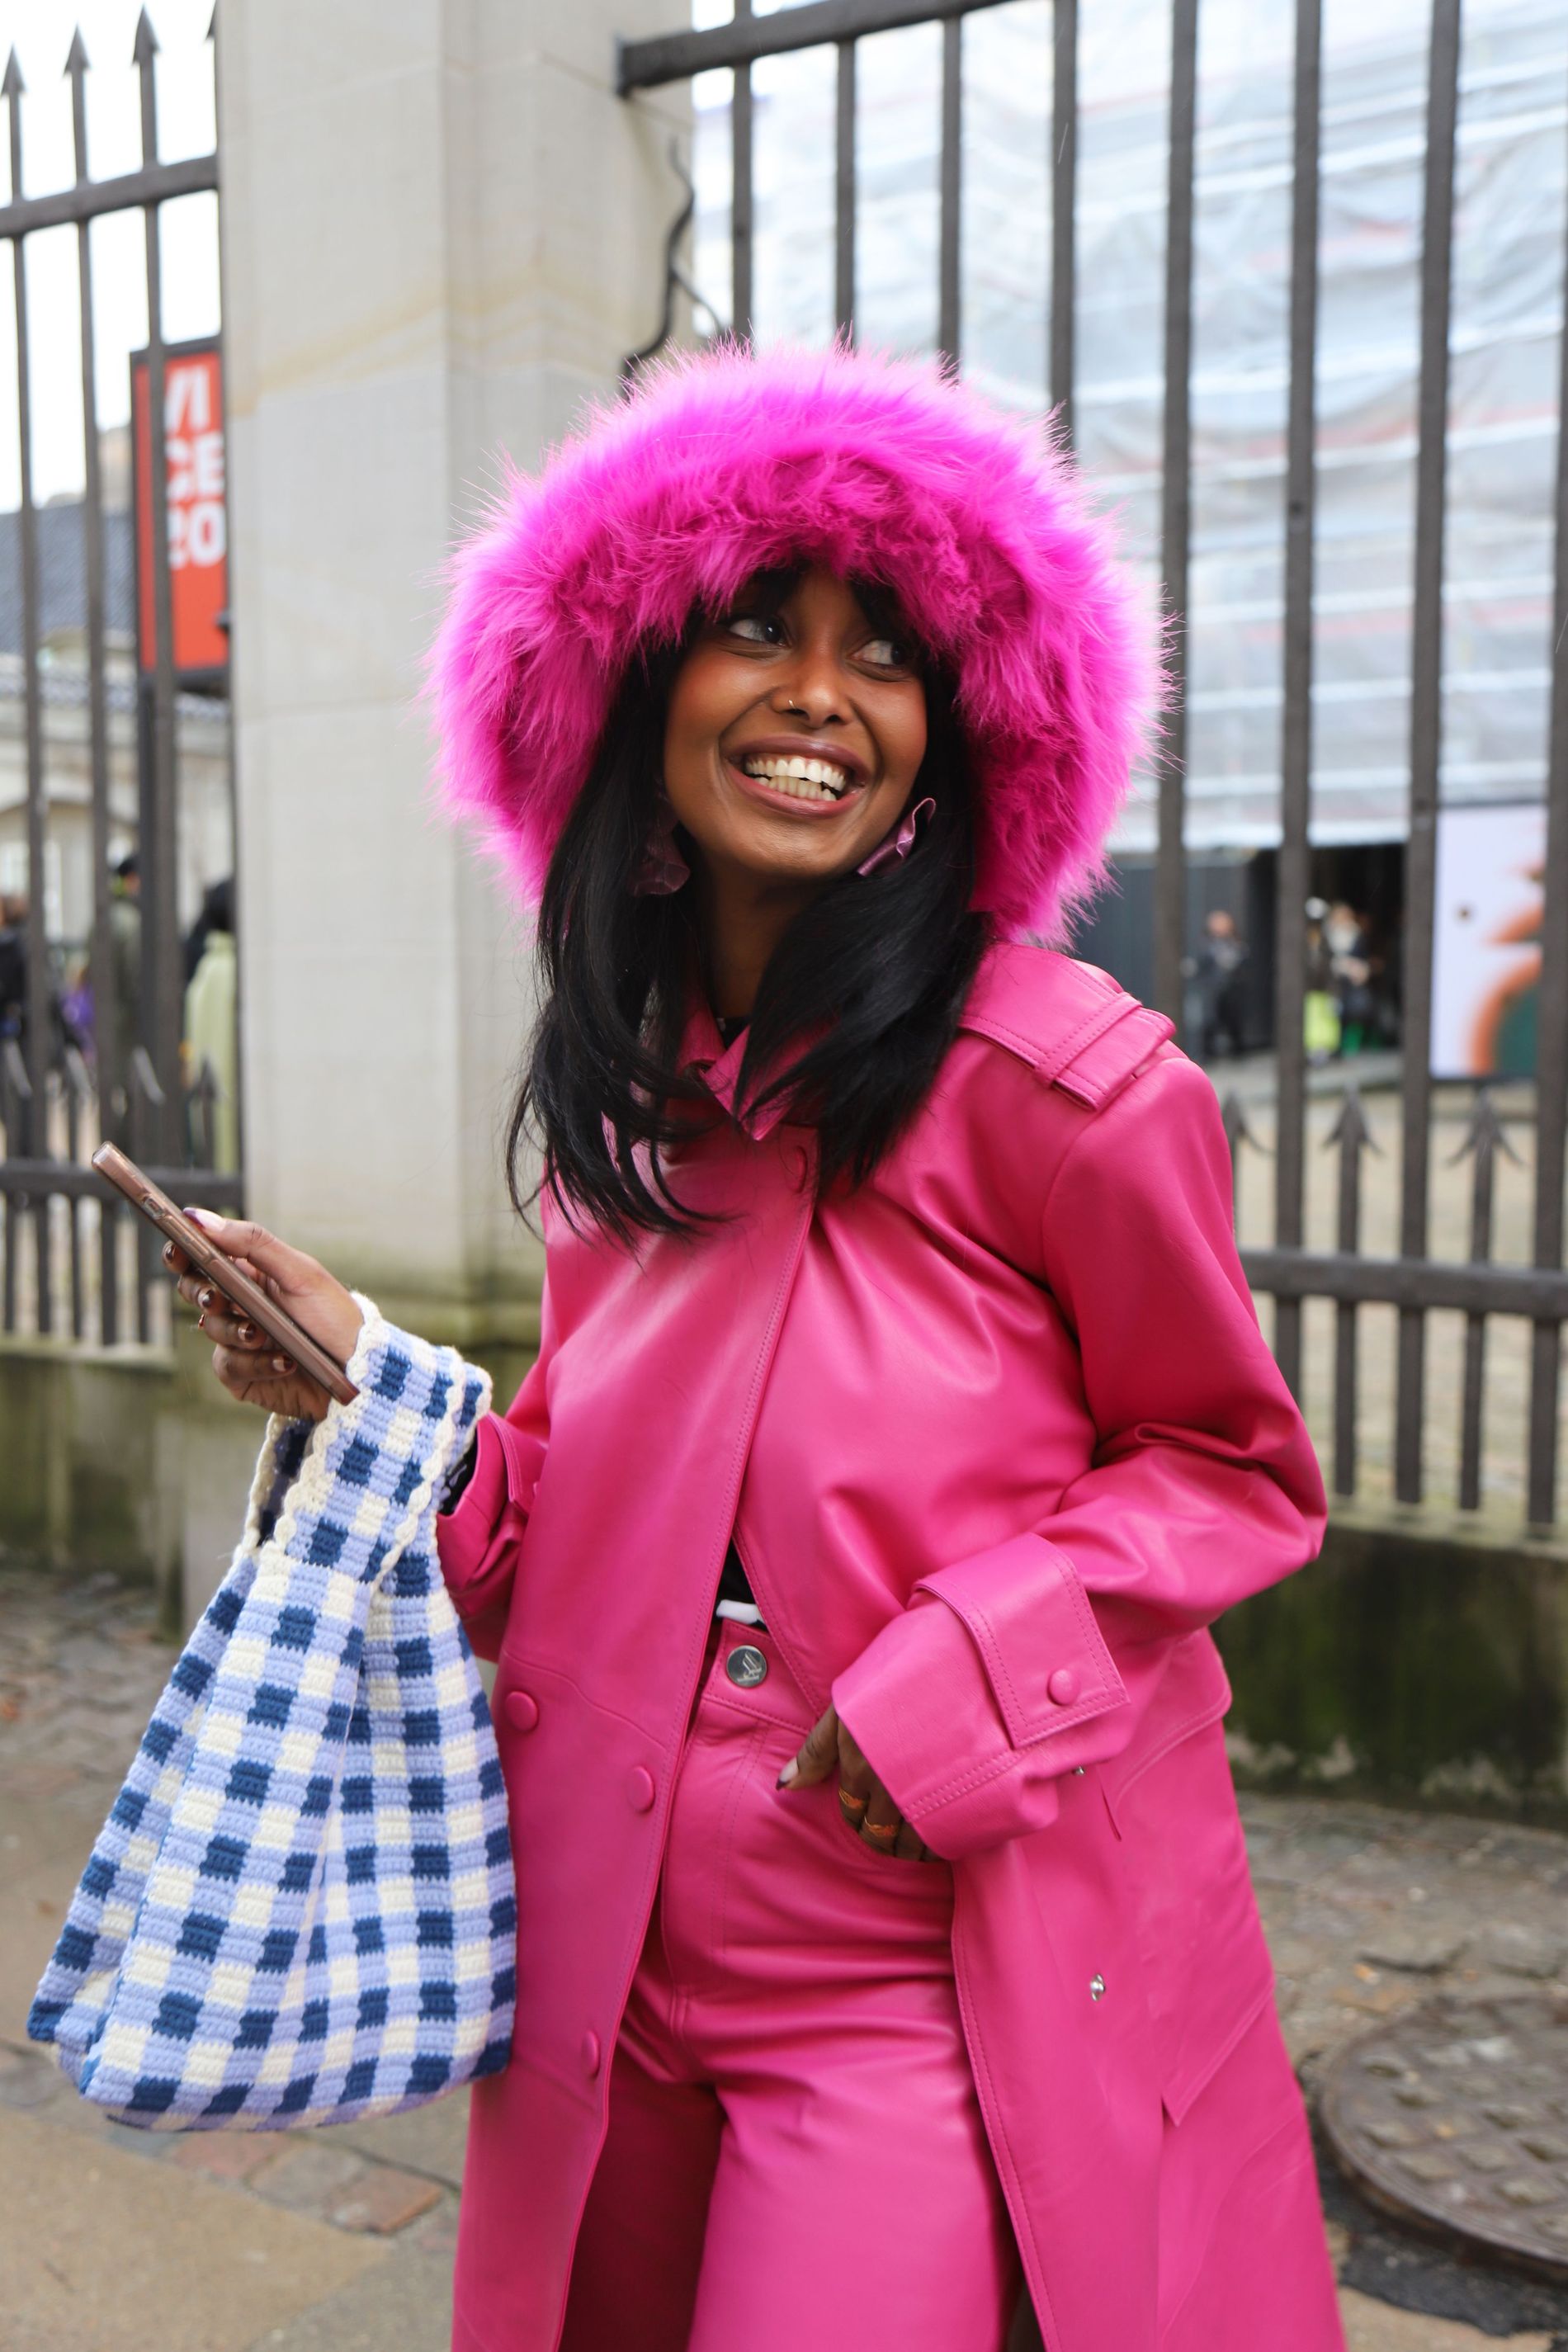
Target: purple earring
x,y
897,845
663,868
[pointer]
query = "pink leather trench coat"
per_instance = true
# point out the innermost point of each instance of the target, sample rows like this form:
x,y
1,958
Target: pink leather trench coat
x,y
999,1437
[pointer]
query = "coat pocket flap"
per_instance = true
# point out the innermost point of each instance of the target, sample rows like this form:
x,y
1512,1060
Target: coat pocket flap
x,y
1026,1610
1194,1693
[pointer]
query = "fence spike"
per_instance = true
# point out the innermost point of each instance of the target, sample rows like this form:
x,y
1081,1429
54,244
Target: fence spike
x,y
13,86
16,1071
1486,1133
1351,1134
1352,1131
146,1077
79,61
1233,1115
146,44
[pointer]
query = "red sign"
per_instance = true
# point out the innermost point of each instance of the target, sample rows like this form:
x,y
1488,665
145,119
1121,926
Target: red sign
x,y
198,533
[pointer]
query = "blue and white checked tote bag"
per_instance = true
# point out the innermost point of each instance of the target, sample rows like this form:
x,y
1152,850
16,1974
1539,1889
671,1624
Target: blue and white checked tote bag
x,y
301,1908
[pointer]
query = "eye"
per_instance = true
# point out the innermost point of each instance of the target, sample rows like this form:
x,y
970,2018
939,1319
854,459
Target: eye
x,y
755,628
886,653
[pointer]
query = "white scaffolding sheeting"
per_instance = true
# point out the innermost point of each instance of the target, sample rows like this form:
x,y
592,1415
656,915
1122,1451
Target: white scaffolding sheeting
x,y
1510,219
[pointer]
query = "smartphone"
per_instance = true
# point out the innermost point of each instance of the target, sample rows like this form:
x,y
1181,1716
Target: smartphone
x,y
222,1272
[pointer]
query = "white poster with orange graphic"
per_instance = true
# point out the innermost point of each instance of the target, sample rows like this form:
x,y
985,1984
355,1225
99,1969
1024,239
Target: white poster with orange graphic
x,y
1486,946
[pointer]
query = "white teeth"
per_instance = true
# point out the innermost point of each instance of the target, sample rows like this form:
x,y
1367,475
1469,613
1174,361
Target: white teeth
x,y
802,779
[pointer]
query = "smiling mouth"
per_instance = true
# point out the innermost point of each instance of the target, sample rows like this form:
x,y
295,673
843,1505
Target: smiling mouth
x,y
800,779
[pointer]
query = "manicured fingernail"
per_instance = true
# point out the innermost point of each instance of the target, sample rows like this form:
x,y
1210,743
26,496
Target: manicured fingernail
x,y
204,1300
246,1332
791,1772
281,1364
204,1217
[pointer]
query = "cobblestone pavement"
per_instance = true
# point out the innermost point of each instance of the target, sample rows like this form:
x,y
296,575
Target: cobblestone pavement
x,y
339,2240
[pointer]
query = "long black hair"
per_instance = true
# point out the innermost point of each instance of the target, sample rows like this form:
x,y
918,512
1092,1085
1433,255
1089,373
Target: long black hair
x,y
856,1007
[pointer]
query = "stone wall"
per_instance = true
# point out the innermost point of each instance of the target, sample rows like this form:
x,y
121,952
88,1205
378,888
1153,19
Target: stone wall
x,y
439,243
1418,1659
133,1459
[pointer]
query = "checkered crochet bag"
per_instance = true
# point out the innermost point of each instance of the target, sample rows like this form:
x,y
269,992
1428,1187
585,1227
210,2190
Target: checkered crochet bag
x,y
300,1909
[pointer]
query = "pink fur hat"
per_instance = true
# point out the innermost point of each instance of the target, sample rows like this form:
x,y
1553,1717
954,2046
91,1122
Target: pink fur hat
x,y
726,463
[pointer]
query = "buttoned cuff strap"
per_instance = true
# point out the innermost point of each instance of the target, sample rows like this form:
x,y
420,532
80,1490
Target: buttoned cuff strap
x,y
966,1705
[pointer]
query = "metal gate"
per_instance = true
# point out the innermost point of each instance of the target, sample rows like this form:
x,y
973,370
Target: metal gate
x,y
85,1275
1410,1279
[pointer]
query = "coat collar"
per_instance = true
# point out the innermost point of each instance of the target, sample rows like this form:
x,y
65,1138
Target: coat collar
x,y
704,1055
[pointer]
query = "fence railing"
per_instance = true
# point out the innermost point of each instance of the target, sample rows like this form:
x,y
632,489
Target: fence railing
x,y
84,1274
1411,1281
74,1261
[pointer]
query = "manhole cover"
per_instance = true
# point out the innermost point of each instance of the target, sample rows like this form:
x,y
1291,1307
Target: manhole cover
x,y
1457,2114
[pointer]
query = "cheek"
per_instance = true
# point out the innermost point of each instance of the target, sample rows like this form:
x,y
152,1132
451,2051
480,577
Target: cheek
x,y
903,737
704,700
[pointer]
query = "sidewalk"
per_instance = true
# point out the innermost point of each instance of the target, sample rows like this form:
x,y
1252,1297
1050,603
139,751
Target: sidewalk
x,y
115,2240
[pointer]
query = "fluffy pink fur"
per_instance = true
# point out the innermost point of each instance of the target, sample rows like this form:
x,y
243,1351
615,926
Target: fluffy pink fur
x,y
725,463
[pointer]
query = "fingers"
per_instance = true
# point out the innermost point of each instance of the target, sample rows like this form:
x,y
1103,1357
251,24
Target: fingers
x,y
881,1821
330,1312
885,1828
868,1808
217,1314
242,1237
240,1364
857,1781
258,1382
816,1755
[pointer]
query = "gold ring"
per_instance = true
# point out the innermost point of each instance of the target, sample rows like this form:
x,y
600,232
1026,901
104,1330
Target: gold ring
x,y
883,1832
854,1806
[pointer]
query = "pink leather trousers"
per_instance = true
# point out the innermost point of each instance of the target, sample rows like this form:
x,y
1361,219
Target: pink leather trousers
x,y
796,2153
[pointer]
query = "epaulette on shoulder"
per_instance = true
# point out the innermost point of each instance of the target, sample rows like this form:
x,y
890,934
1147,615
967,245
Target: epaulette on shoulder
x,y
1076,1027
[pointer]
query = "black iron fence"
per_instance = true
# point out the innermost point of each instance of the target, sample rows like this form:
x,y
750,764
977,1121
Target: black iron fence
x,y
1410,1281
120,1068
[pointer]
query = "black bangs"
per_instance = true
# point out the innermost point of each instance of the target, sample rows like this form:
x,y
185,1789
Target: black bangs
x,y
869,980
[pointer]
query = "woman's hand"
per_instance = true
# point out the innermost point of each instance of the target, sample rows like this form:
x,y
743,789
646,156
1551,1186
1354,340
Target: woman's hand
x,y
245,1359
864,1804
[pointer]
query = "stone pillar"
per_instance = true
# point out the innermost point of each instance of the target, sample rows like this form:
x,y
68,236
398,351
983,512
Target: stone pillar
x,y
441,229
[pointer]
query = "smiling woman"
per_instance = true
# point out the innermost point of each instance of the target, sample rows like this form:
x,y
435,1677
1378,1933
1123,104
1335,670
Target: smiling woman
x,y
896,1946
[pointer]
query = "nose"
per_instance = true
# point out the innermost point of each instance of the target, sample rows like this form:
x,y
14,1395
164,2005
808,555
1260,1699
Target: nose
x,y
813,688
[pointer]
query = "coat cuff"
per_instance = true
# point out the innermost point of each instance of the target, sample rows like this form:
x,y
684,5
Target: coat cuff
x,y
967,1705
489,1517
463,1532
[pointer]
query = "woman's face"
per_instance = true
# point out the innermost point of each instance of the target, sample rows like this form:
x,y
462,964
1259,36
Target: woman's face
x,y
795,728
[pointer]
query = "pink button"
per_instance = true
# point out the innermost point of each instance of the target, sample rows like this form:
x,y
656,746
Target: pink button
x,y
590,2056
1063,1686
522,1710
639,1789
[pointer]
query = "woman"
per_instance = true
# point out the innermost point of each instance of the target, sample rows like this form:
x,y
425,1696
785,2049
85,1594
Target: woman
x,y
901,1421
